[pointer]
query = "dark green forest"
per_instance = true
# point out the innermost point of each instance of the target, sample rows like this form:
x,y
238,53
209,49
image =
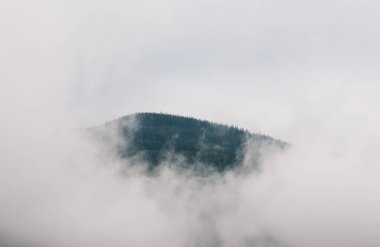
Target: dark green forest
x,y
157,137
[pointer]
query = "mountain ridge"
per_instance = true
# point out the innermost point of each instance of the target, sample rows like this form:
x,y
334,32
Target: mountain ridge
x,y
158,137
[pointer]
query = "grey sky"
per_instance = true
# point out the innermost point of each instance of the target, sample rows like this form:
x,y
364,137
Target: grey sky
x,y
303,71
250,63
258,64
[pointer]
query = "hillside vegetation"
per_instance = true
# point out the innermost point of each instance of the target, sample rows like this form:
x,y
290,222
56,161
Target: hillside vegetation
x,y
157,137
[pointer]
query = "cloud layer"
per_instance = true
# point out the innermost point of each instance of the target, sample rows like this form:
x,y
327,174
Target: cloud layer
x,y
304,72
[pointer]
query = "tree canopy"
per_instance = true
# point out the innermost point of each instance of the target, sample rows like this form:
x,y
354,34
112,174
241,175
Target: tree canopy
x,y
157,137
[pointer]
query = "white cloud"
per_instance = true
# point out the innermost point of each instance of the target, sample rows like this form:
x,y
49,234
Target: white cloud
x,y
303,71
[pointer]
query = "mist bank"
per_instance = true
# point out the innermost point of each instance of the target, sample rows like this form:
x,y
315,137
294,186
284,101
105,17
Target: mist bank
x,y
60,188
305,72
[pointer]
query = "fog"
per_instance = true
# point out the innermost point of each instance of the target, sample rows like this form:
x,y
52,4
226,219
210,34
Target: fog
x,y
305,73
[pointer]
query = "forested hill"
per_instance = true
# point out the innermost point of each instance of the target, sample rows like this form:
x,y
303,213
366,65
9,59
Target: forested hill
x,y
157,137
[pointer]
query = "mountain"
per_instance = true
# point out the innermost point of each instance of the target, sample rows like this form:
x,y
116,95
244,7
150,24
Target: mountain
x,y
157,137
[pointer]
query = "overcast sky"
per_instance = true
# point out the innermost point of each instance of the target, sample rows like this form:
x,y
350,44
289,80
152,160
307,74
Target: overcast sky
x,y
263,65
303,71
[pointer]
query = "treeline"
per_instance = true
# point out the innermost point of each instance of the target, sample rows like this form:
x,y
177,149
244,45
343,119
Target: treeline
x,y
157,137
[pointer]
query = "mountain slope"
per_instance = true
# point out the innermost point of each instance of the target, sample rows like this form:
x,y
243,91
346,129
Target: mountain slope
x,y
157,137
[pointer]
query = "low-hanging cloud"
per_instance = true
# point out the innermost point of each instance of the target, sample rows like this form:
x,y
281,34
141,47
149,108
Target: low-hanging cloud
x,y
60,188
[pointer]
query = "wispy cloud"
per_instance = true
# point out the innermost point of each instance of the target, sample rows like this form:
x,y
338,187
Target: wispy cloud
x,y
305,72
